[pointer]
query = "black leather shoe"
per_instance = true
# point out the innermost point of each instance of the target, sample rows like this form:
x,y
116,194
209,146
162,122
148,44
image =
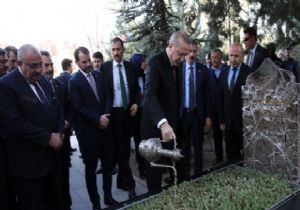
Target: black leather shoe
x,y
114,171
131,194
99,171
109,201
96,208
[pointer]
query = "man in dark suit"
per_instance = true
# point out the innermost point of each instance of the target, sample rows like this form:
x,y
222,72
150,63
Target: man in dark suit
x,y
64,77
34,122
256,53
60,91
160,115
194,108
214,87
291,64
97,60
91,106
121,80
67,68
12,53
3,158
231,80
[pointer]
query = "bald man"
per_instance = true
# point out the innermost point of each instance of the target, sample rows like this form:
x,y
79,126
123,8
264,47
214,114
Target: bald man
x,y
231,81
34,122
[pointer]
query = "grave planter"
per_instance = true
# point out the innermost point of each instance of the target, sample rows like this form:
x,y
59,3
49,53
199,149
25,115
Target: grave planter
x,y
228,189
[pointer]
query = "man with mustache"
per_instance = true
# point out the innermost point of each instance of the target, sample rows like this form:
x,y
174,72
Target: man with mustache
x,y
160,114
194,108
122,83
34,122
91,105
60,91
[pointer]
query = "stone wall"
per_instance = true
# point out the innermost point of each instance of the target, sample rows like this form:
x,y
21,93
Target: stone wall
x,y
270,116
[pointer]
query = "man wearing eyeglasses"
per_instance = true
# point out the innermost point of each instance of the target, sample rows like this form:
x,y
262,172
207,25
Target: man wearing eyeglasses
x,y
60,91
256,53
34,123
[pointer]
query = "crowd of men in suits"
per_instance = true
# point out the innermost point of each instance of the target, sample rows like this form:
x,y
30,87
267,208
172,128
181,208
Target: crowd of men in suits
x,y
170,96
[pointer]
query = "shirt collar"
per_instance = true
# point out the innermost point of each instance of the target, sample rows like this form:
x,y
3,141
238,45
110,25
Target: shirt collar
x,y
190,65
237,68
84,73
115,63
254,48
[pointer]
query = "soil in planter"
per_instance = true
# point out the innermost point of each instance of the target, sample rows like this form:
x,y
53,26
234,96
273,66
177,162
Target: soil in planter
x,y
230,189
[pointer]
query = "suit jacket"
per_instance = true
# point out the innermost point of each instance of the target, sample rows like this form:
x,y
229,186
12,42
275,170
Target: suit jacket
x,y
202,91
260,54
133,85
231,103
214,90
64,77
87,108
29,125
161,99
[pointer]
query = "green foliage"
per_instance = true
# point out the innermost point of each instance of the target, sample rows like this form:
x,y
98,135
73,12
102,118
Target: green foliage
x,y
149,24
238,188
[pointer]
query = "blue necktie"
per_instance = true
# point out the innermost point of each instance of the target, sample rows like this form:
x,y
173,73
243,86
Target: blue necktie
x,y
232,81
191,89
42,96
123,90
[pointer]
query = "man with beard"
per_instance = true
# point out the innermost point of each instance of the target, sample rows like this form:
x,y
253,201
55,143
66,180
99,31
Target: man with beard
x,y
60,91
160,115
91,105
214,87
34,122
123,88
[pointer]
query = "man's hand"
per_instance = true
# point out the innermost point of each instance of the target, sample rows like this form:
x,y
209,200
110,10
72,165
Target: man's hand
x,y
222,127
104,121
167,132
133,110
208,122
55,141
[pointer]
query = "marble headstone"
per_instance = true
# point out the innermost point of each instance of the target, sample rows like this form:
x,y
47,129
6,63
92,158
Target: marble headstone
x,y
271,117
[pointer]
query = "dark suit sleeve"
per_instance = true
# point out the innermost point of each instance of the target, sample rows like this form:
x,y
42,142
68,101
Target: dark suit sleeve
x,y
221,94
151,105
207,110
79,108
136,88
14,121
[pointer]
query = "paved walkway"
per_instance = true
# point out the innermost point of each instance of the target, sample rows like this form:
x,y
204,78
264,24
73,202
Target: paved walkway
x,y
78,190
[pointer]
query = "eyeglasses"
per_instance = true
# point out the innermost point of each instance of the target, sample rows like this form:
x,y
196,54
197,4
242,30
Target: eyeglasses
x,y
48,64
12,60
34,65
3,61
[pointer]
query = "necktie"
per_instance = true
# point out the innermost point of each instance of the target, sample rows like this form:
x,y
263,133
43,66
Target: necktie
x,y
191,89
250,58
123,90
232,81
174,68
42,96
92,84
